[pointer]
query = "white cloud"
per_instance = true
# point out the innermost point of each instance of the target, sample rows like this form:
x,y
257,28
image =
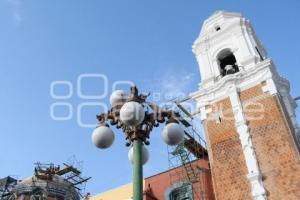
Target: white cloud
x,y
171,84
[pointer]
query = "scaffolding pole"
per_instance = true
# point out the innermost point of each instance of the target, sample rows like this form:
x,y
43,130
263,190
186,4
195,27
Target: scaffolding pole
x,y
182,156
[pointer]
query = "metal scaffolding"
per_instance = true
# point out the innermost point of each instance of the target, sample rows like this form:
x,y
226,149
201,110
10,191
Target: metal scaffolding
x,y
49,180
183,156
6,186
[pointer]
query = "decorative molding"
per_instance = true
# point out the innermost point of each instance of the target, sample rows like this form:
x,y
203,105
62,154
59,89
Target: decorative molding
x,y
270,87
209,93
258,190
204,112
263,71
177,186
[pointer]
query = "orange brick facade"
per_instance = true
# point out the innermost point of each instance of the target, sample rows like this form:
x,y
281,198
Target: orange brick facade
x,y
273,142
226,156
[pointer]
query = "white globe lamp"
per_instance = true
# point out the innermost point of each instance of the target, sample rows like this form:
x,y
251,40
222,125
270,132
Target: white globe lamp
x,y
132,113
172,134
118,97
103,137
145,155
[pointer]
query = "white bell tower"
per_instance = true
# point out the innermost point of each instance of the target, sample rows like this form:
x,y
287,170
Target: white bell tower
x,y
247,113
226,39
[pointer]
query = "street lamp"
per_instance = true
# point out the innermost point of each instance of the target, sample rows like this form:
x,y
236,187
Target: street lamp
x,y
136,117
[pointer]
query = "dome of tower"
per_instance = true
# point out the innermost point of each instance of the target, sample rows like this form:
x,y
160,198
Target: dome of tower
x,y
48,182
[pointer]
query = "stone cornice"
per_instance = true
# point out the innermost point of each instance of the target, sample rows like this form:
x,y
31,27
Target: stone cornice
x,y
242,80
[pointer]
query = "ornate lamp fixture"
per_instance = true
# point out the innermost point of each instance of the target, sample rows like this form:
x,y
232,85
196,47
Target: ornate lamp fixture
x,y
136,117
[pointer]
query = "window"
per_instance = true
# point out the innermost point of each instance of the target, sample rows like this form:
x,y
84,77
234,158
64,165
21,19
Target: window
x,y
217,28
183,192
227,63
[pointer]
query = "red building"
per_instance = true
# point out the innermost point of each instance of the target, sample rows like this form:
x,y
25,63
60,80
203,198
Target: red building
x,y
175,184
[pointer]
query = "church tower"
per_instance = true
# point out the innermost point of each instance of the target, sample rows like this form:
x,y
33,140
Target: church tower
x,y
247,113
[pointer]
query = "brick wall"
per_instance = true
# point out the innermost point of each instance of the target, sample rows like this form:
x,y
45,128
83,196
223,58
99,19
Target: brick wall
x,y
226,156
273,143
157,185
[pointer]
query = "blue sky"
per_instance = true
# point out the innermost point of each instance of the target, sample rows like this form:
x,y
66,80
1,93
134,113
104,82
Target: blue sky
x,y
147,42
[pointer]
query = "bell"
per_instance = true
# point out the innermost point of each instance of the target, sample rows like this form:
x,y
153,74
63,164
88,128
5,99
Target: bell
x,y
229,69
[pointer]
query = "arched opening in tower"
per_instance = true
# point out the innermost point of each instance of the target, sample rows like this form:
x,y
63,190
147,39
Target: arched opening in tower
x,y
227,63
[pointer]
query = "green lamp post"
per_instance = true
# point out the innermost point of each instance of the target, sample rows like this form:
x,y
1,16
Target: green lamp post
x,y
136,117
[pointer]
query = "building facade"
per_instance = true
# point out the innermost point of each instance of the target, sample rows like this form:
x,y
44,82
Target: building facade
x,y
123,192
247,113
159,186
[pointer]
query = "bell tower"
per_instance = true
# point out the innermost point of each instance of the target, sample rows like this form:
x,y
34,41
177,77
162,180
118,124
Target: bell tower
x,y
247,113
